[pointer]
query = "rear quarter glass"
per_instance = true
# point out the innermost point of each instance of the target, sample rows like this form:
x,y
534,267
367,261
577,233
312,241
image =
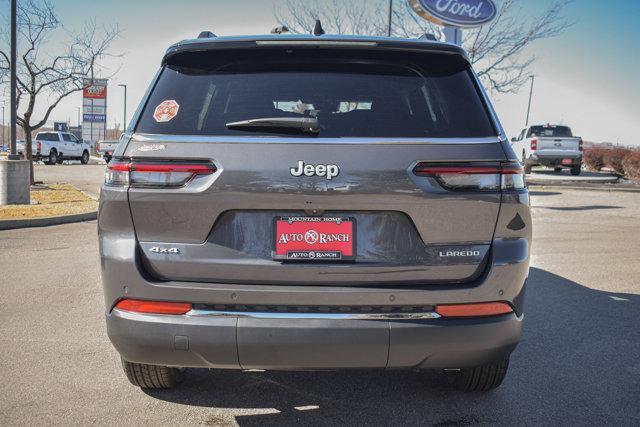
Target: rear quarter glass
x,y
351,93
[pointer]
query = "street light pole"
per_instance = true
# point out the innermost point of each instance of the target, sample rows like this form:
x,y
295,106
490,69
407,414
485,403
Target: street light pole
x,y
390,17
529,106
124,122
3,140
13,89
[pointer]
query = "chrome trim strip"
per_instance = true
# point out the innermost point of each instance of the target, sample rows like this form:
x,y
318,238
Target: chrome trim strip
x,y
146,137
318,316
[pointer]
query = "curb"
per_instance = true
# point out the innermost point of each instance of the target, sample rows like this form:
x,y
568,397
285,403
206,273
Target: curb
x,y
9,224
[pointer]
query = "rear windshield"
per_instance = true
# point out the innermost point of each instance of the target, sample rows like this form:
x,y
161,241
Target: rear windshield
x,y
48,136
550,130
350,94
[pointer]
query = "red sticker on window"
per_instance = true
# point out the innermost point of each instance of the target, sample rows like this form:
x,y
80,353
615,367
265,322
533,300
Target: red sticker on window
x,y
166,111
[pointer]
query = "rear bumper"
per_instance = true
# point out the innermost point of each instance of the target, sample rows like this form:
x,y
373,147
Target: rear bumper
x,y
556,160
277,342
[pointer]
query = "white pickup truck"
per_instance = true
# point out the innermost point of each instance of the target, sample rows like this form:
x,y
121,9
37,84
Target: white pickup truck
x,y
55,147
106,148
549,145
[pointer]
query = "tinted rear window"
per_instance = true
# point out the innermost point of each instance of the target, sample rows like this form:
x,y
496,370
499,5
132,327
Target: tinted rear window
x,y
365,94
48,136
551,131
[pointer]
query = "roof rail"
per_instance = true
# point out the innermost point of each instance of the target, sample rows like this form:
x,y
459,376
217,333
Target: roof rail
x,y
428,36
317,29
279,30
206,35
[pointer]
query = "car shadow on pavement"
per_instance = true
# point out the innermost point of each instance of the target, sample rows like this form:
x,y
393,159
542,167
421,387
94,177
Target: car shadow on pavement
x,y
544,193
577,363
580,208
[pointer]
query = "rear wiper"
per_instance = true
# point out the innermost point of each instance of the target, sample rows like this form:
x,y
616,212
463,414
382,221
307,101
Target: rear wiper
x,y
278,124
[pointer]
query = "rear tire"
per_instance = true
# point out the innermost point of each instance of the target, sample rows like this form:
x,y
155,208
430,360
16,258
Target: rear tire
x,y
85,157
482,378
53,157
575,170
151,376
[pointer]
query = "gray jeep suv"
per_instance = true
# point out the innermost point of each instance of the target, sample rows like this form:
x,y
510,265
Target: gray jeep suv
x,y
314,202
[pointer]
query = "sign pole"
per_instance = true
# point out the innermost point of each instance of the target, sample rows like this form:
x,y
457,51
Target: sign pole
x,y
390,18
452,35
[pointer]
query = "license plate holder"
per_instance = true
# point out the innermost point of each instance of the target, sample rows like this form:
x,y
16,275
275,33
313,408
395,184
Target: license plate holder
x,y
314,239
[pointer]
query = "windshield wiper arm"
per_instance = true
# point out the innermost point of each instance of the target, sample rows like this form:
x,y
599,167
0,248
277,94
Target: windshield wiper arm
x,y
278,124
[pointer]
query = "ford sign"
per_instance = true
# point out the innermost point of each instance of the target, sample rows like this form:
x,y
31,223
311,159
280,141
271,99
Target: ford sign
x,y
455,13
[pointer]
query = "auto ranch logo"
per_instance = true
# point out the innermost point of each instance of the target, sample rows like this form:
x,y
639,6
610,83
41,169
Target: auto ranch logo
x,y
456,13
95,91
312,237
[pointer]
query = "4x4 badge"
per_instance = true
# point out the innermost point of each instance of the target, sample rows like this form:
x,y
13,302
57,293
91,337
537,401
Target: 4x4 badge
x,y
159,250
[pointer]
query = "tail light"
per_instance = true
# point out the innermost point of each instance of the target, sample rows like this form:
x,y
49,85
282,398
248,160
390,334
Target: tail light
x,y
39,146
154,174
580,143
475,177
153,307
483,309
97,146
534,144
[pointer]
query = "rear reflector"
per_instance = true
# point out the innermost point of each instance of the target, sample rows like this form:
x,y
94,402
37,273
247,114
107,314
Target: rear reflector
x,y
474,177
154,307
155,174
474,310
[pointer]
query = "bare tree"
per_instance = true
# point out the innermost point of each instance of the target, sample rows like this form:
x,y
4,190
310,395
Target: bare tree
x,y
497,49
45,78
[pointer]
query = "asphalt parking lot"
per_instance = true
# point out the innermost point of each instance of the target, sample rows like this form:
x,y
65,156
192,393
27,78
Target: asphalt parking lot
x,y
577,363
87,178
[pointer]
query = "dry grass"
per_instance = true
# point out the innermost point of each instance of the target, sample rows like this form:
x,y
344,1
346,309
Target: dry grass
x,y
51,200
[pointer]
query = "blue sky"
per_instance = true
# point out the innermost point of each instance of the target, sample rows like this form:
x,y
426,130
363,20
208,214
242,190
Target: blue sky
x,y
587,78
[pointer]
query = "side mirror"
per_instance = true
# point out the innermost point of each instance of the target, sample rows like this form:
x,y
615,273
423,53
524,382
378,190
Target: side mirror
x,y
514,139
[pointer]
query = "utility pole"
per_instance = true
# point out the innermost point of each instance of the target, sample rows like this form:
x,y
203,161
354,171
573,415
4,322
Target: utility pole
x,y
390,17
15,174
13,89
124,122
529,106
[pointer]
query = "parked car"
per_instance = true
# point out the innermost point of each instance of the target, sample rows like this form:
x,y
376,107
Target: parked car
x,y
314,202
106,148
56,147
549,145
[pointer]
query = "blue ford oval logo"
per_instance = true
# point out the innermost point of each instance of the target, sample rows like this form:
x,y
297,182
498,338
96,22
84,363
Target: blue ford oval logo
x,y
456,13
